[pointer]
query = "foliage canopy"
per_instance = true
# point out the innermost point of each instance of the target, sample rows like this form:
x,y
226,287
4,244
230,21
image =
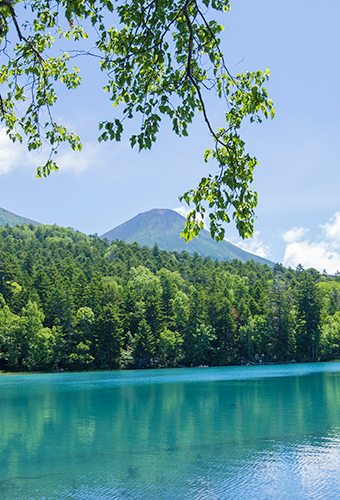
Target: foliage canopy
x,y
161,58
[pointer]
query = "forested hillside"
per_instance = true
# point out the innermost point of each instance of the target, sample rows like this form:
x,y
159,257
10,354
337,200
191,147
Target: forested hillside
x,y
12,220
75,302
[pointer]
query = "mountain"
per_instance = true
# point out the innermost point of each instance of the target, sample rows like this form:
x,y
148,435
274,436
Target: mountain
x,y
12,220
163,226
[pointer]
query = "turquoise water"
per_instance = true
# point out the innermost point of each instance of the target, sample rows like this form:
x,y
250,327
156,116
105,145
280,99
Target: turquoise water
x,y
266,432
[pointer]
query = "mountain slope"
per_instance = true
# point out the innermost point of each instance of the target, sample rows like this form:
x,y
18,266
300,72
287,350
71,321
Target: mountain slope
x,y
12,220
163,226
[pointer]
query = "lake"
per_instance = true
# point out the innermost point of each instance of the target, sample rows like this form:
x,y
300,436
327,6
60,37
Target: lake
x,y
259,432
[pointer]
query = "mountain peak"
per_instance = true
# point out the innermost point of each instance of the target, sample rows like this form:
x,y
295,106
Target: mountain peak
x,y
160,211
164,226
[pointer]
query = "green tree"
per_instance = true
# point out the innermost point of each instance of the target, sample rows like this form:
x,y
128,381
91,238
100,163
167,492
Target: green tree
x,y
181,310
161,59
255,339
330,293
144,346
39,343
81,341
330,337
9,276
108,338
308,317
282,315
43,349
59,306
258,297
146,297
221,318
13,344
169,348
198,345
197,307
171,282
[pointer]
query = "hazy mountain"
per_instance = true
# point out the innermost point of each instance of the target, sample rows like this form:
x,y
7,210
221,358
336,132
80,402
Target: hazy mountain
x,y
163,226
12,220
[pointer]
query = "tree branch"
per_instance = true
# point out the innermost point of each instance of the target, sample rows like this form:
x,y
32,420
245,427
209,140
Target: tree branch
x,y
191,37
2,105
8,4
216,42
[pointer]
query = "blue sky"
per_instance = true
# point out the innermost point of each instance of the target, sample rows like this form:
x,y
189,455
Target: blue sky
x,y
298,177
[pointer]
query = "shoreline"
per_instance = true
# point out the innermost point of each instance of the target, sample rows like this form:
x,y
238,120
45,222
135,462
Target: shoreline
x,y
244,365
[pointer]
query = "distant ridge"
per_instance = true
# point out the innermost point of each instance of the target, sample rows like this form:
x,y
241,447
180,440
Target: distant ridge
x,y
164,226
12,220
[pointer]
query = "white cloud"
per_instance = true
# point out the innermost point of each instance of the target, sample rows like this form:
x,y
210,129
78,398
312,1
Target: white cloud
x,y
16,155
10,153
255,245
77,161
324,253
93,155
294,234
182,211
315,255
332,229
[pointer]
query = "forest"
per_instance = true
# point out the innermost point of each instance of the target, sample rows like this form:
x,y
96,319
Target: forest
x,y
69,301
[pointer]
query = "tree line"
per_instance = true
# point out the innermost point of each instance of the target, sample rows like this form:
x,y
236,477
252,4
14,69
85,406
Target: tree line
x,y
69,301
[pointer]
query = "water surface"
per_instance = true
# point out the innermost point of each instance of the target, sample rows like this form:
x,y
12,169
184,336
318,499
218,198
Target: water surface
x,y
259,432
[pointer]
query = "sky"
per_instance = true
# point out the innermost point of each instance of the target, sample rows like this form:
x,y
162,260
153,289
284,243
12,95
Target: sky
x,y
298,177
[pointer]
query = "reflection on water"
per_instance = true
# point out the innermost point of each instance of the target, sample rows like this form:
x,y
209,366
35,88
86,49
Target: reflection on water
x,y
227,433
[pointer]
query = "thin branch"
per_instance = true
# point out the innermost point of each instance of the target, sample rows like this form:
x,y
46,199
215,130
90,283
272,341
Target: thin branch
x,y
148,49
189,74
216,43
191,37
78,53
2,105
198,90
8,4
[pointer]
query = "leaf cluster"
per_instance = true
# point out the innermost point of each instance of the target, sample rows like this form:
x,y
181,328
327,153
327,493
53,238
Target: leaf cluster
x,y
161,59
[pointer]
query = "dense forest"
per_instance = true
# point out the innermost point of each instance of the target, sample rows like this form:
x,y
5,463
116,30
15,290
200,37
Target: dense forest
x,y
69,301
